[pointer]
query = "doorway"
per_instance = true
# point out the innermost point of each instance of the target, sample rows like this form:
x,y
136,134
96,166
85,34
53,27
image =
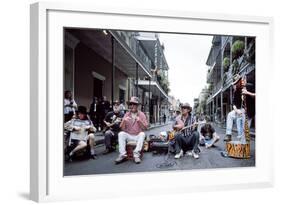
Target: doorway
x,y
97,90
121,95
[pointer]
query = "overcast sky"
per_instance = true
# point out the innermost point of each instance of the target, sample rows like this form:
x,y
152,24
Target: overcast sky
x,y
186,56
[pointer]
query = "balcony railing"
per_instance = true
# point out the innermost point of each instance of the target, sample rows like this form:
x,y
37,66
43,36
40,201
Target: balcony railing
x,y
134,46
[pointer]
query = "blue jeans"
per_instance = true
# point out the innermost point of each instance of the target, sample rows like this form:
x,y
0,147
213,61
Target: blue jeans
x,y
240,121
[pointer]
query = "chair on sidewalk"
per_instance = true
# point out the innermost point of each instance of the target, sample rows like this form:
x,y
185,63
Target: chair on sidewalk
x,y
130,146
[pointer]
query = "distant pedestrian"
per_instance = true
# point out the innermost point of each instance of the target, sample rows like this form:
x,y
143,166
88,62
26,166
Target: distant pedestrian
x,y
122,107
69,106
104,107
93,111
164,118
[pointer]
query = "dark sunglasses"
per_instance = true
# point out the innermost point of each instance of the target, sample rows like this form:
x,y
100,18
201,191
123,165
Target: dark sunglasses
x,y
133,104
184,107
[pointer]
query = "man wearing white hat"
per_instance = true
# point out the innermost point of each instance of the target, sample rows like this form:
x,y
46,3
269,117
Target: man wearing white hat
x,y
133,125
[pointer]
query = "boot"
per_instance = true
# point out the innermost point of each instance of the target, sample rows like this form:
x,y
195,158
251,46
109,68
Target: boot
x,y
227,138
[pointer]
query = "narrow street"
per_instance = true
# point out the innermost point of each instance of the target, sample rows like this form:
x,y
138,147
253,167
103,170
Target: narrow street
x,y
209,158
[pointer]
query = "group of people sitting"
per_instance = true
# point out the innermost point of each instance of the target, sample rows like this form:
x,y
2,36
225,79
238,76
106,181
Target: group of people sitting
x,y
119,127
189,133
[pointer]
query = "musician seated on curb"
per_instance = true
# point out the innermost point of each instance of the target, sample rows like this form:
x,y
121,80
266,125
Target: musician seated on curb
x,y
112,121
208,135
187,137
81,129
238,113
133,125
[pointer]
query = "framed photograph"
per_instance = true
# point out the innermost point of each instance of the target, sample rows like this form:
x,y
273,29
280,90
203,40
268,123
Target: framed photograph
x,y
146,100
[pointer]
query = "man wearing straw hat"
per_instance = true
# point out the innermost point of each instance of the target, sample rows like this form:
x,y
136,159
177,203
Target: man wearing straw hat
x,y
133,125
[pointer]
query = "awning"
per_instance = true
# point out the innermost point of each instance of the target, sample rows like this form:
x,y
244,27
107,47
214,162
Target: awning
x,y
154,88
214,95
128,59
125,58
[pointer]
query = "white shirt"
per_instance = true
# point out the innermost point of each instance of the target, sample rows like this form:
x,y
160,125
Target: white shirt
x,y
66,108
81,134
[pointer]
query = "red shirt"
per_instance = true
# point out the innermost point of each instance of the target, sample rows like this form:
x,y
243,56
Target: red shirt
x,y
132,126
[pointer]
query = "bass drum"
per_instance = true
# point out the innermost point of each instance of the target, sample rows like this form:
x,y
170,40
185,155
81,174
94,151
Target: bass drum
x,y
236,149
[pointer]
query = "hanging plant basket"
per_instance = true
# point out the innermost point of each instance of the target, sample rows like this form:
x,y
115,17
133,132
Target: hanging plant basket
x,y
226,64
237,49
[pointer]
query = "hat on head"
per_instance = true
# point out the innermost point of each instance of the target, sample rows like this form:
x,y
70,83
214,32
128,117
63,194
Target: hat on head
x,y
82,110
115,102
187,105
134,100
236,79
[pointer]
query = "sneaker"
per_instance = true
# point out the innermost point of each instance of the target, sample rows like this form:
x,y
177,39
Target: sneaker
x,y
207,145
179,155
195,155
120,159
227,138
137,160
93,156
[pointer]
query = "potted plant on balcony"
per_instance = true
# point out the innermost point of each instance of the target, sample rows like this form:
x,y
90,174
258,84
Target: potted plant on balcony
x,y
210,88
226,64
164,83
237,49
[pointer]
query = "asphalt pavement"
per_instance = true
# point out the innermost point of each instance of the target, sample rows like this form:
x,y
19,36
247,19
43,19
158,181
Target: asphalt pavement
x,y
209,159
